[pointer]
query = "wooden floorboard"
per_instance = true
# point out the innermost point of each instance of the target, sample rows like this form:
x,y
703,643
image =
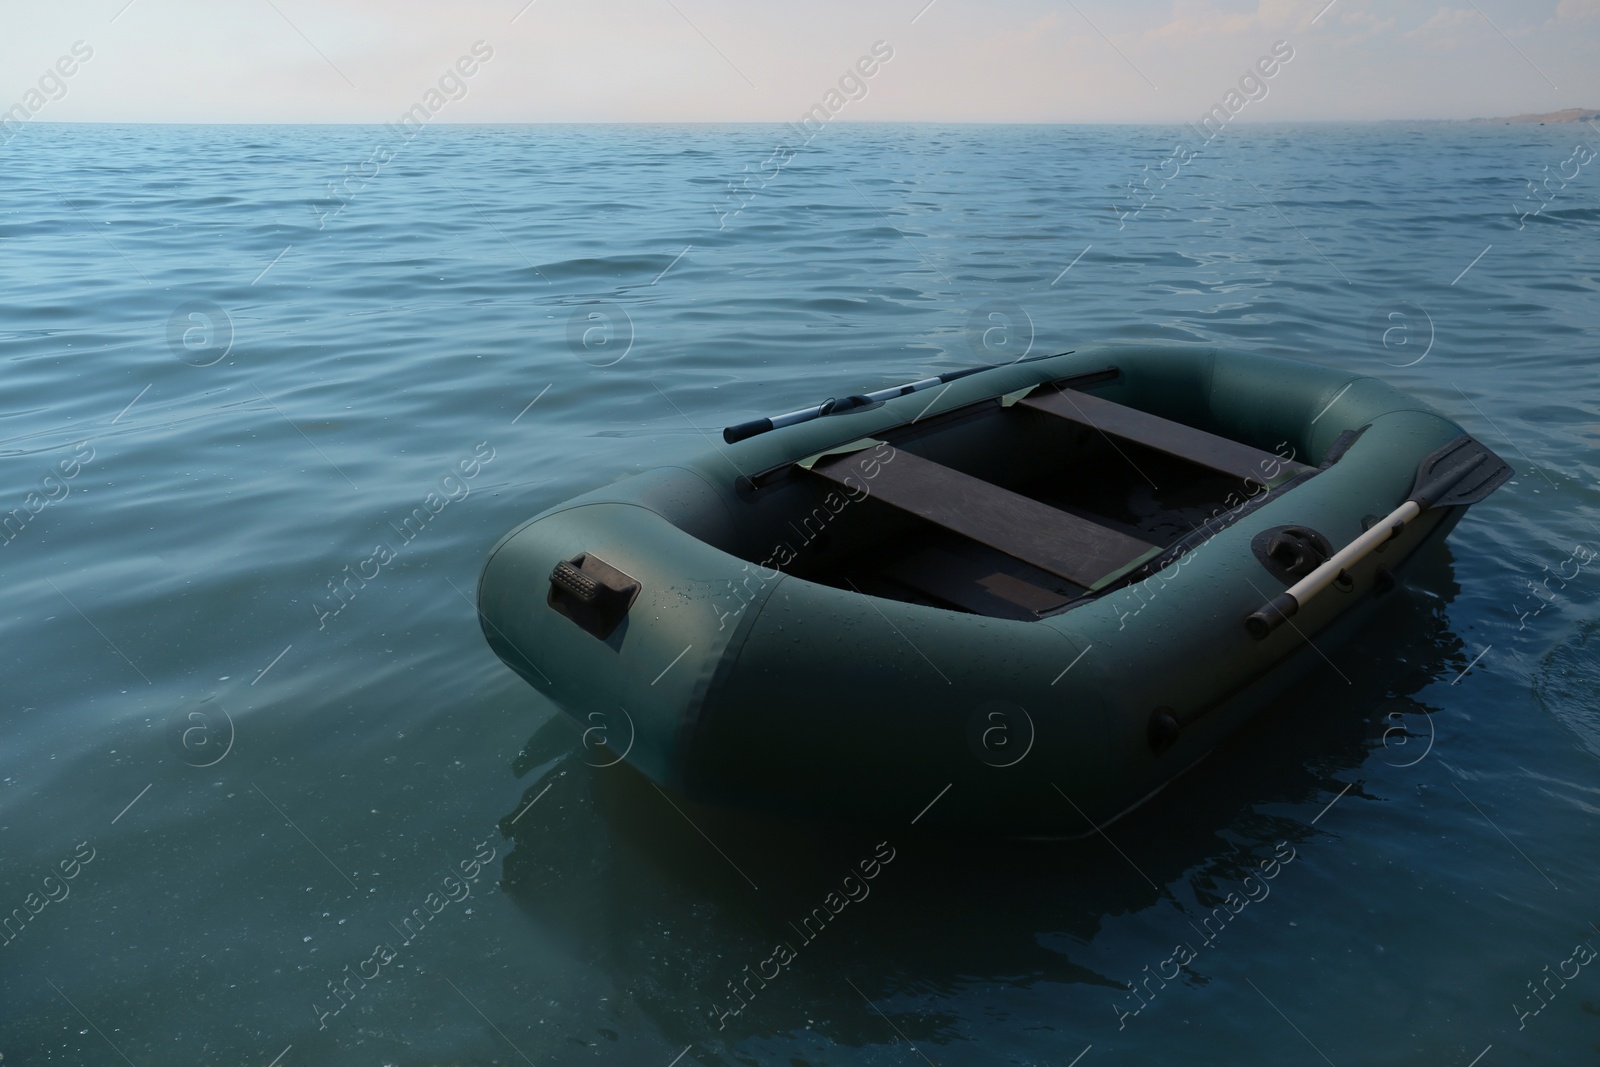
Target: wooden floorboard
x,y
1053,540
1174,438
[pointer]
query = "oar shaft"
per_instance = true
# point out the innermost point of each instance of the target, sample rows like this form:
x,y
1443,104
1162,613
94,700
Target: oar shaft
x,y
735,434
792,417
1288,602
901,390
1354,552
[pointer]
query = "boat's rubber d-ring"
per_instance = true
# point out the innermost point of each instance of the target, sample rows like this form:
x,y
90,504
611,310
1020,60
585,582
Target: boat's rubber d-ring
x,y
1290,552
1162,730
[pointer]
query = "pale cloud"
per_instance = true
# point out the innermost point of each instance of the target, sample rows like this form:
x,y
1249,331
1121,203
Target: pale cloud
x,y
1051,23
1448,26
1362,25
1575,10
1193,20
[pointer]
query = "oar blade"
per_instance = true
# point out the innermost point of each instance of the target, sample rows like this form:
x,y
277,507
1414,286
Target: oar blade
x,y
1463,472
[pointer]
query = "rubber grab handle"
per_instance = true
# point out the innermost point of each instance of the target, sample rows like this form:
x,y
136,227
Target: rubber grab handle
x,y
575,582
1271,615
734,434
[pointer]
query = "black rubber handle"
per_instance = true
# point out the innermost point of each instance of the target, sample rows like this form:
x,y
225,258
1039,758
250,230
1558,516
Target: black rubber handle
x,y
575,582
1271,616
734,434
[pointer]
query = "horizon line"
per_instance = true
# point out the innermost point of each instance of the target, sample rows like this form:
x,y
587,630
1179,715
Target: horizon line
x,y
1505,119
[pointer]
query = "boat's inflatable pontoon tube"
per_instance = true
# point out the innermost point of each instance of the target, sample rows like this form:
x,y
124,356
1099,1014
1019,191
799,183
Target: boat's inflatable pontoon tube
x,y
726,675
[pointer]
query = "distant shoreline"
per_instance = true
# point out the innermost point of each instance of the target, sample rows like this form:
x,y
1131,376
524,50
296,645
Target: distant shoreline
x,y
1571,114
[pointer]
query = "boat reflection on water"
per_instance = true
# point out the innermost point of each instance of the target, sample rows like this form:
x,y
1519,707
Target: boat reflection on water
x,y
722,893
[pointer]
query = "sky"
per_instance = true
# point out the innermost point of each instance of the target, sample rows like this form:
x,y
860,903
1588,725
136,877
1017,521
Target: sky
x,y
763,61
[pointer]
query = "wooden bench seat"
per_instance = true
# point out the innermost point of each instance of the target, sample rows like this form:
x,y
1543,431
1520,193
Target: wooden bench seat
x,y
1173,438
1055,541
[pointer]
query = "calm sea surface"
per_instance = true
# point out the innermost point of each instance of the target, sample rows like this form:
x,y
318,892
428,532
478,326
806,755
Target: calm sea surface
x,y
238,359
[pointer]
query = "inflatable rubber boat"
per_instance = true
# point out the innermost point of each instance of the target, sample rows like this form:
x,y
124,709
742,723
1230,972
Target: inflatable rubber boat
x,y
1015,599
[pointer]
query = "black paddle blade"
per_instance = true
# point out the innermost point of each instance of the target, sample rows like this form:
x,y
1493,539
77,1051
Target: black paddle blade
x,y
1462,472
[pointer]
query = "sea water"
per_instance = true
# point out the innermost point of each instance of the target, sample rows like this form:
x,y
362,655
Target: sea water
x,y
267,797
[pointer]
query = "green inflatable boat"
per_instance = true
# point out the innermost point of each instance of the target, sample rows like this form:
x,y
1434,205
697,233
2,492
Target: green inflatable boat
x,y
1015,599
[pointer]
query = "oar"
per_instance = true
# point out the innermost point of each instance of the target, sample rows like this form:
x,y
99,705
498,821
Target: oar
x,y
734,434
1462,472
